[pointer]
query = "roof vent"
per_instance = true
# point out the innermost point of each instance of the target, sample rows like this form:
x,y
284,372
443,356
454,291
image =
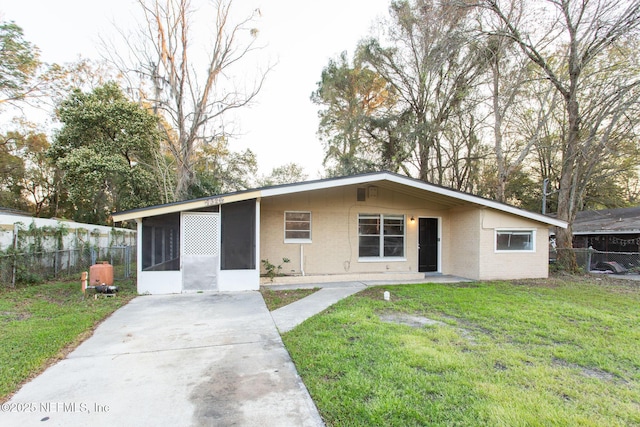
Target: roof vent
x,y
373,192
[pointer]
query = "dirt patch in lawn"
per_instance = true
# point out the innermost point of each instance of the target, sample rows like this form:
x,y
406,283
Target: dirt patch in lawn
x,y
420,321
11,316
587,372
409,320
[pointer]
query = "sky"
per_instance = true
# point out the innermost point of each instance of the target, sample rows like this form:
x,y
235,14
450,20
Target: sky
x,y
299,38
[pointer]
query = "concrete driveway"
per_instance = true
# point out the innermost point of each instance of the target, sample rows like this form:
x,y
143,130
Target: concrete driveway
x,y
177,360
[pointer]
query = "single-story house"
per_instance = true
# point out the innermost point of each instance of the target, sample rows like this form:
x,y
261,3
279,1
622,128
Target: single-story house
x,y
376,224
608,230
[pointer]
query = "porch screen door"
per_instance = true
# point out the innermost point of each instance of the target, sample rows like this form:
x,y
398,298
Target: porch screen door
x,y
200,251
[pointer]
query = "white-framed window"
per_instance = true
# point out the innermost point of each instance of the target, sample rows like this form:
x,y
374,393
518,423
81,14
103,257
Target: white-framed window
x,y
381,236
297,227
515,240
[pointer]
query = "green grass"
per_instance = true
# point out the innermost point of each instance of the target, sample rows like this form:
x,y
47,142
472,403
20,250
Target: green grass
x,y
40,324
560,352
274,299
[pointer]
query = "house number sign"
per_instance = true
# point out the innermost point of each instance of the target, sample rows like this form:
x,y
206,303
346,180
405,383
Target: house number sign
x,y
214,202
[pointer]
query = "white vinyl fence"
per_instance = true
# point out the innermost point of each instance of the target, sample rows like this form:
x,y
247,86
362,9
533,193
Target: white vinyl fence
x,y
33,250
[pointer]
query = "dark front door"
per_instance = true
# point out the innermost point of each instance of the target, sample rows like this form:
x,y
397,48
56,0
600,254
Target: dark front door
x,y
428,244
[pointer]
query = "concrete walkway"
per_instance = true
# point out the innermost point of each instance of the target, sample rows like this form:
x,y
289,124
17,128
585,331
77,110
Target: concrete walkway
x,y
290,316
175,360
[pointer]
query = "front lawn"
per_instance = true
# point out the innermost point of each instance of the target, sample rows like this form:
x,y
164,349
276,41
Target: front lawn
x,y
40,324
562,352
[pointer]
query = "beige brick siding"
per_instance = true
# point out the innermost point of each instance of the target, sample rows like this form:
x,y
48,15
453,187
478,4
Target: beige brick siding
x,y
466,236
334,247
464,250
495,265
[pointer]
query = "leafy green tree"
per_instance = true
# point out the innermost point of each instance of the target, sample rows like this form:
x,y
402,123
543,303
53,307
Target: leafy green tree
x,y
18,63
219,170
24,78
355,120
26,174
106,151
285,174
12,172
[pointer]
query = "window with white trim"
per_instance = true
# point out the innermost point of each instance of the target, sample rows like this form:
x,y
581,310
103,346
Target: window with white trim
x,y
297,227
515,240
380,236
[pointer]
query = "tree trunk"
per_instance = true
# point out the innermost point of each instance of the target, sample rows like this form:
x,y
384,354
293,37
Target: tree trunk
x,y
567,202
497,134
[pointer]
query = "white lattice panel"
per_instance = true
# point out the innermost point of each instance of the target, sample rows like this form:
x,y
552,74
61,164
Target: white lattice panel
x,y
201,234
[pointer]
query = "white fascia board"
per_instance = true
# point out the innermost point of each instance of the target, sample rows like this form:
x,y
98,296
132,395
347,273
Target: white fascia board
x,y
478,201
320,185
607,231
184,206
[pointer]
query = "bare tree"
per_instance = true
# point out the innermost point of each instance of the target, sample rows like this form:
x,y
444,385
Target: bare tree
x,y
432,64
508,100
192,86
573,55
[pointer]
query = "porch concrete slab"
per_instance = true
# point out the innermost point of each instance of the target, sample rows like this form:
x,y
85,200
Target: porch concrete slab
x,y
439,278
183,360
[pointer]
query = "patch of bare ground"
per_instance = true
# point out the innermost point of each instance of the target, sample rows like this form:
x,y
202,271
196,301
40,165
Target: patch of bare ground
x,y
420,321
409,320
588,372
11,316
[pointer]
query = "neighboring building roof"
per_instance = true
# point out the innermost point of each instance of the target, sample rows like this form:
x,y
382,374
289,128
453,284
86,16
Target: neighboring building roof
x,y
608,221
413,187
11,211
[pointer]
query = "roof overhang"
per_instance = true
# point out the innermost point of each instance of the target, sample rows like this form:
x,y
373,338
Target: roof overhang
x,y
184,206
444,196
598,232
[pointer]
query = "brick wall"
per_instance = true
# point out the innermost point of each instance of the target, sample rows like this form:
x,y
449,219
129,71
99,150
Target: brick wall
x,y
467,236
334,247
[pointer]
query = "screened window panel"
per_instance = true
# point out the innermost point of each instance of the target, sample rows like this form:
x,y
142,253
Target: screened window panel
x,y
160,243
238,236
